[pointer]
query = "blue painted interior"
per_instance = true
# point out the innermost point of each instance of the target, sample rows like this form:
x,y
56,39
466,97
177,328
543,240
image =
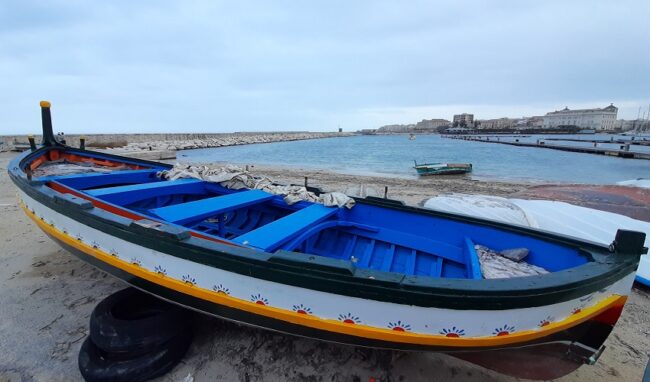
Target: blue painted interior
x,y
270,236
130,193
371,237
97,180
199,210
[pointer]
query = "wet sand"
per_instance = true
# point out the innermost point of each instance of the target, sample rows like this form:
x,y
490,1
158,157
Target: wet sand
x,y
47,295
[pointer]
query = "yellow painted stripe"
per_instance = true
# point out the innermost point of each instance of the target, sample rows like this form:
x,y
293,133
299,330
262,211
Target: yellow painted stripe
x,y
336,326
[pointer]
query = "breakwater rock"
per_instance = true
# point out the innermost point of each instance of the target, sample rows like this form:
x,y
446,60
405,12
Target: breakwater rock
x,y
180,141
219,140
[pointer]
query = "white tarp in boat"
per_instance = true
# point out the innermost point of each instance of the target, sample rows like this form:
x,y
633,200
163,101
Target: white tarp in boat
x,y
236,178
496,266
362,191
558,217
640,182
64,167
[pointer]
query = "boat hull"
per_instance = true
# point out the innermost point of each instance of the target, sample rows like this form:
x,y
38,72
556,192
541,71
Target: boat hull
x,y
582,323
247,276
449,169
564,315
443,172
551,358
643,273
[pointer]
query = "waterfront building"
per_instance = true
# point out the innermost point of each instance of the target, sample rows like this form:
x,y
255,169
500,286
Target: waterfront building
x,y
463,119
596,119
424,126
535,122
497,123
431,124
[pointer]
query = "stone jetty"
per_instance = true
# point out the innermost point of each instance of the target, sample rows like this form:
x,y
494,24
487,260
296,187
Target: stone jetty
x,y
219,140
164,146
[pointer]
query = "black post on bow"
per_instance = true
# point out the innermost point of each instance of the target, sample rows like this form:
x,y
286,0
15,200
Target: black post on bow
x,y
46,117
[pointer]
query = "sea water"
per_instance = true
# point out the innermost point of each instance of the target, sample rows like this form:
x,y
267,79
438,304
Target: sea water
x,y
393,155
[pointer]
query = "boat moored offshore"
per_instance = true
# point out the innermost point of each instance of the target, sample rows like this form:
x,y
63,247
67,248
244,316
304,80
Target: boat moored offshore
x,y
442,168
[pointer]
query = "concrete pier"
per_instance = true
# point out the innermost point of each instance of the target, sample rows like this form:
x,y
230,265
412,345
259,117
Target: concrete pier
x,y
622,153
633,141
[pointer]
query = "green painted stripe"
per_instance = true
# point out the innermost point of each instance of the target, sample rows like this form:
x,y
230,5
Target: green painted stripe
x,y
375,285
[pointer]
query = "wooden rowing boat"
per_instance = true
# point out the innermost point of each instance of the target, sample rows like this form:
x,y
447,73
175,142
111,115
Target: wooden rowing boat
x,y
442,168
381,274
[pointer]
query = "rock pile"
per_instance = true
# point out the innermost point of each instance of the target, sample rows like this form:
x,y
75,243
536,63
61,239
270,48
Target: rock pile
x,y
225,140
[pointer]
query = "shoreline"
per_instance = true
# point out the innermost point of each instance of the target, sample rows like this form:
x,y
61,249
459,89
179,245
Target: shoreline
x,y
413,191
350,172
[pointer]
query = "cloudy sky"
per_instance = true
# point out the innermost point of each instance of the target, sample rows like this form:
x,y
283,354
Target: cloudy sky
x,y
207,66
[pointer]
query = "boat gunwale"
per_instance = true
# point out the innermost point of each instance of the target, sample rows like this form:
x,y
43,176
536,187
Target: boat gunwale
x,y
364,283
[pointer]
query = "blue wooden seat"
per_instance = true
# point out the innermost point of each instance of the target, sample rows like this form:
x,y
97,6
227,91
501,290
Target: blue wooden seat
x,y
85,180
201,209
269,237
134,192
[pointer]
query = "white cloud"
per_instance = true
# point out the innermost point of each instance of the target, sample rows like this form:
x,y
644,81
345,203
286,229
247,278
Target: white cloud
x,y
224,66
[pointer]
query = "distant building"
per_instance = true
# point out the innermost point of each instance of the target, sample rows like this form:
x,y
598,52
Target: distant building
x,y
534,122
632,124
424,126
463,119
497,123
431,124
596,119
395,129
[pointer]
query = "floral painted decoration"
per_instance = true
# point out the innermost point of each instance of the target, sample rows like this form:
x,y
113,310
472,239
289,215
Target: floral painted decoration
x,y
504,330
259,300
546,321
301,309
221,289
187,279
454,332
399,326
349,318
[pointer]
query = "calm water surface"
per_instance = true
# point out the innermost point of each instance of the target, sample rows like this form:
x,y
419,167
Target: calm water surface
x,y
393,155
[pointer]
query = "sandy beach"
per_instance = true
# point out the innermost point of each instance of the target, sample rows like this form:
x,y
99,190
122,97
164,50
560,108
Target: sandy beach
x,y
47,296
413,191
